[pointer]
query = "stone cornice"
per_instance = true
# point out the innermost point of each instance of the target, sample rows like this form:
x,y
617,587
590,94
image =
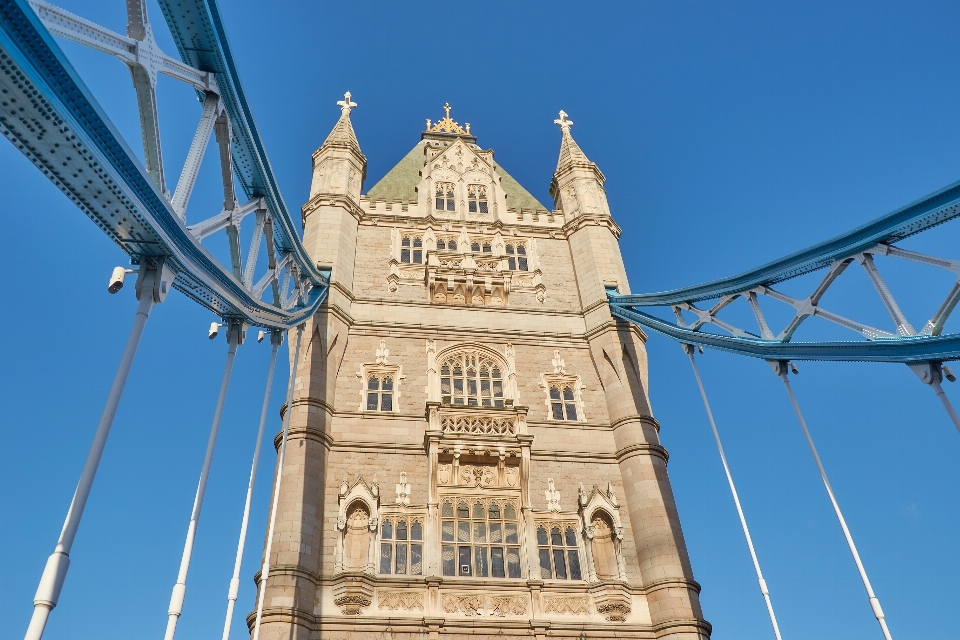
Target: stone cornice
x,y
614,324
642,449
589,220
340,200
650,420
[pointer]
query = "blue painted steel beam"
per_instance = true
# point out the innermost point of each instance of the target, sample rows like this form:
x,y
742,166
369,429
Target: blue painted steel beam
x,y
908,350
927,212
50,115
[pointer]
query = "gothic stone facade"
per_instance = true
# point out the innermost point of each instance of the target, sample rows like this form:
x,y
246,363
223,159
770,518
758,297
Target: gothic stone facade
x,y
472,450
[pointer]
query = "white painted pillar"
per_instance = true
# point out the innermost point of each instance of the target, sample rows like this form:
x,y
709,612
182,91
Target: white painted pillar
x,y
276,338
234,338
48,592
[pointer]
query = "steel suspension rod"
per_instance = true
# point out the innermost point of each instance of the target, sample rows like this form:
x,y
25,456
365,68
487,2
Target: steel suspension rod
x,y
736,497
946,403
234,336
55,571
874,601
275,339
265,571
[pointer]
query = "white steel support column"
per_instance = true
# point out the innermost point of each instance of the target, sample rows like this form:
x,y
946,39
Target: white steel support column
x,y
946,403
276,338
150,282
234,338
265,571
736,498
781,369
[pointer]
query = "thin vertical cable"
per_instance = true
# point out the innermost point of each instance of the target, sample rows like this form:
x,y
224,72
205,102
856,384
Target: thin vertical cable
x,y
235,581
874,602
180,588
265,571
736,498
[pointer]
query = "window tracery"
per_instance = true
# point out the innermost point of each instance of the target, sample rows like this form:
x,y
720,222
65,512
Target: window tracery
x,y
477,198
480,537
380,382
564,401
401,545
445,197
472,379
411,249
558,551
516,256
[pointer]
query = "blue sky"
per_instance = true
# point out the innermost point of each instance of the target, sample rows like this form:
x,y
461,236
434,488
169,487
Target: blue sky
x,y
730,134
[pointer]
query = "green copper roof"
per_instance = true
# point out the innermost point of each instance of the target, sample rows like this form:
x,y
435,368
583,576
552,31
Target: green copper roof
x,y
400,183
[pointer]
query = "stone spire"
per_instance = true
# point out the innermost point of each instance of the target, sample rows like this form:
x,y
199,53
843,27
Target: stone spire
x,y
342,134
339,167
570,153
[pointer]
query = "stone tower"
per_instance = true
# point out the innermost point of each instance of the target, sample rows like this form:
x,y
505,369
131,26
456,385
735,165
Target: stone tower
x,y
472,450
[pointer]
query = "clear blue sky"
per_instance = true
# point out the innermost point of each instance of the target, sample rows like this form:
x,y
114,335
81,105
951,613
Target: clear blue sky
x,y
730,134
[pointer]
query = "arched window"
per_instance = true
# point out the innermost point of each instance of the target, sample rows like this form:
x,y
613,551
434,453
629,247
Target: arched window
x,y
558,551
401,546
380,392
445,199
472,379
563,402
475,247
476,198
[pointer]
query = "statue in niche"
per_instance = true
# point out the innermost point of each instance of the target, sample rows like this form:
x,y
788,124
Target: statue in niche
x,y
356,541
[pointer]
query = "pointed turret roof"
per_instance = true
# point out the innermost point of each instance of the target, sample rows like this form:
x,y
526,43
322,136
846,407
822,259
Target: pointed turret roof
x,y
570,153
342,134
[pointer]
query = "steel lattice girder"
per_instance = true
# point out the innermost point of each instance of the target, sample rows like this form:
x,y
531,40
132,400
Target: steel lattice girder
x,y
918,216
51,116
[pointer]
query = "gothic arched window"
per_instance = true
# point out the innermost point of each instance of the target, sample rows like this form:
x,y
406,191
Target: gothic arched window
x,y
445,199
558,551
563,401
471,379
476,198
401,546
479,537
411,249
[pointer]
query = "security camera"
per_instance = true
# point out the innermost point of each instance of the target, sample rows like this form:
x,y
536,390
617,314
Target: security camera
x,y
116,279
214,330
260,336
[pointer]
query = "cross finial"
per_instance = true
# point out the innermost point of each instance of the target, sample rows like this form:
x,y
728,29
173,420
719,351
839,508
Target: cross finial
x,y
564,122
345,104
446,108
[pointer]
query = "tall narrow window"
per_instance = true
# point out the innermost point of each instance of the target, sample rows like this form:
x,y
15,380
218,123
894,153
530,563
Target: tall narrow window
x,y
418,250
511,258
380,392
479,538
475,247
563,402
445,199
558,552
476,198
401,546
471,380
405,249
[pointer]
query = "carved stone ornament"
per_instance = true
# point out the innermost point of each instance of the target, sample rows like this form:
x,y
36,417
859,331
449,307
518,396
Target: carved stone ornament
x,y
614,611
478,475
552,496
352,605
501,606
404,600
572,605
444,473
447,125
478,605
467,605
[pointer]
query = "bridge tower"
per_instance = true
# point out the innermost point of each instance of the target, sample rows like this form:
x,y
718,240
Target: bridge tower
x,y
471,446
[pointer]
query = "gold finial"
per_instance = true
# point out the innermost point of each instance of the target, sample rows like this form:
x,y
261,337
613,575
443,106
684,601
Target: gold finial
x,y
564,122
345,104
447,125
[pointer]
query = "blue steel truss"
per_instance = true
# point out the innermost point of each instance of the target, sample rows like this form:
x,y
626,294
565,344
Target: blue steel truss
x,y
874,237
50,115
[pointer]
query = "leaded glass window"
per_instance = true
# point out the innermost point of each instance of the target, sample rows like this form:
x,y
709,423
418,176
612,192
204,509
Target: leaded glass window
x,y
411,250
563,402
445,199
516,257
471,379
401,546
477,198
380,392
558,552
479,537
